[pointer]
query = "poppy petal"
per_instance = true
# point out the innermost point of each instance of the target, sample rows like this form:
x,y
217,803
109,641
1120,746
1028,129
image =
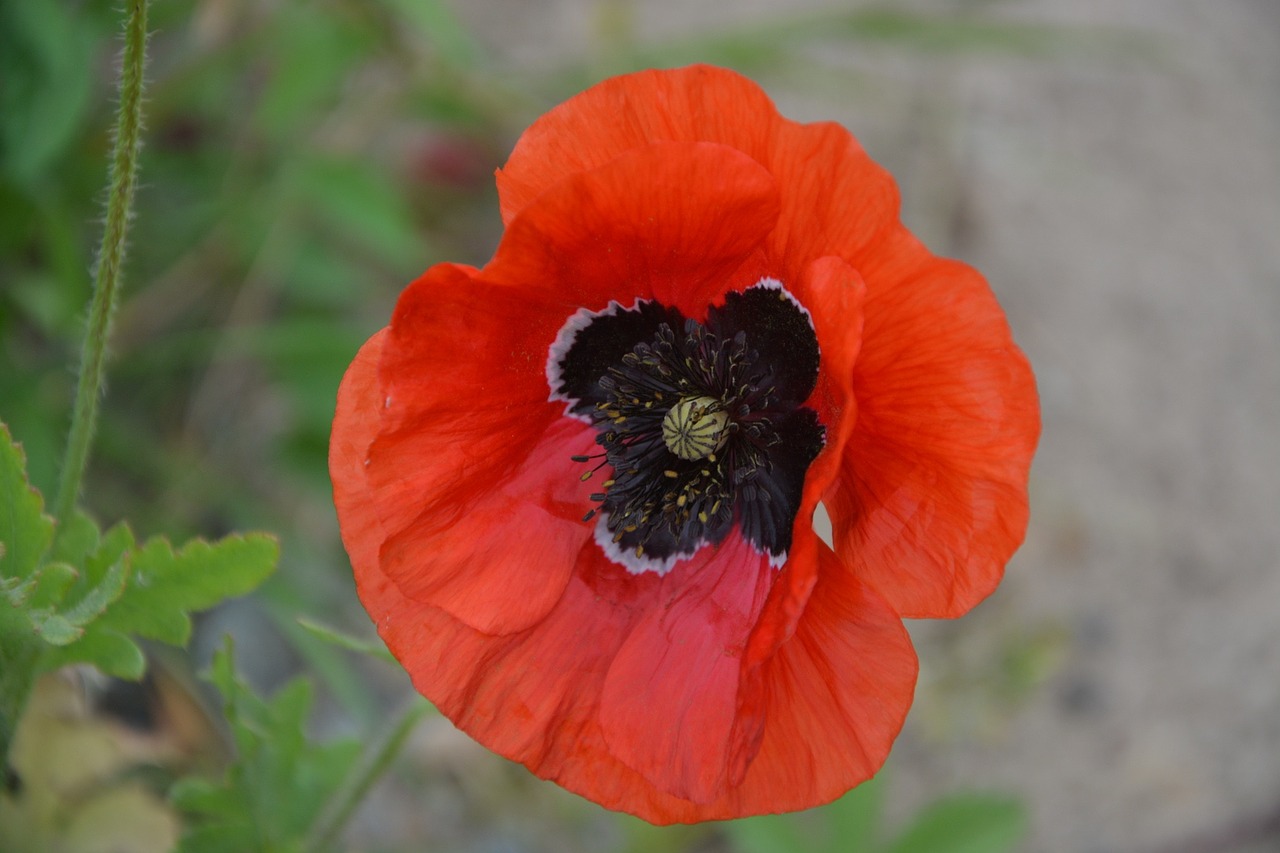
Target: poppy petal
x,y
355,424
460,502
671,702
695,104
837,695
932,498
504,560
837,198
593,235
833,293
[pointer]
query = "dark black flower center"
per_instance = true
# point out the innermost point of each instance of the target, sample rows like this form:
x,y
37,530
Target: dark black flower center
x,y
701,425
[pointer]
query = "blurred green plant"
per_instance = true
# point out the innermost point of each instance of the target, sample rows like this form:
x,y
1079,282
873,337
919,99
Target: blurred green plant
x,y
282,793
961,823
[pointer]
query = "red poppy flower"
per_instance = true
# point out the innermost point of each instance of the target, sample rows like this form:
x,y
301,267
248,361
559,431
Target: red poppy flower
x,y
577,485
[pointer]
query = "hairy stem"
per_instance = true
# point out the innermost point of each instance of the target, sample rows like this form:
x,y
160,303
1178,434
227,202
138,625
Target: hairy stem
x,y
106,286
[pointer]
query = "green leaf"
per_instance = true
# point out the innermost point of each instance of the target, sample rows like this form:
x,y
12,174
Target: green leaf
x,y
110,651
166,586
965,823
77,540
234,836
98,598
202,796
275,789
49,585
63,627
25,531
124,594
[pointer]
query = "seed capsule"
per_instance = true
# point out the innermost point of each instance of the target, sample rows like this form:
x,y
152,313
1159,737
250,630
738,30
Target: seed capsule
x,y
694,428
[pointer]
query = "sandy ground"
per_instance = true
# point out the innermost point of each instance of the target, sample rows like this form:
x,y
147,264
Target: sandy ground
x,y
1122,193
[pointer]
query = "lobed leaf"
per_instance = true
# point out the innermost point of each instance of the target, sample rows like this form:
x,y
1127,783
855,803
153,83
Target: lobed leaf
x,y
274,790
25,531
166,586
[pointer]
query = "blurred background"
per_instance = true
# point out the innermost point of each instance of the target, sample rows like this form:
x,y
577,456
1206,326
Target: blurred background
x,y
1113,166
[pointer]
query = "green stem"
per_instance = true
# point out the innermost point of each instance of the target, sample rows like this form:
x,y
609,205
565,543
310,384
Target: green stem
x,y
373,763
124,169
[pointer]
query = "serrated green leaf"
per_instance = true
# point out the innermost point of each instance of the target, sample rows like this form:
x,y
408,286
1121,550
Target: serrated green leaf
x,y
965,823
54,628
25,531
279,782
49,585
108,650
101,595
166,586
17,591
62,627
76,540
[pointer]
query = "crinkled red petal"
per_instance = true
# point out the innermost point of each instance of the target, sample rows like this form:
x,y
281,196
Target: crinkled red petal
x,y
468,471
695,104
832,698
594,236
837,695
937,504
932,497
673,700
835,199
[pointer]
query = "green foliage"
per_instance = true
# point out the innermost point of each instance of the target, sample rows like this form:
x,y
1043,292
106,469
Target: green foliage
x,y
279,783
45,91
93,596
963,823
